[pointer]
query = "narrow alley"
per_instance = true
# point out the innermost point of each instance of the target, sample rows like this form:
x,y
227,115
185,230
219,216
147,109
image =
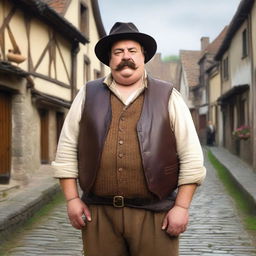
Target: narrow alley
x,y
215,229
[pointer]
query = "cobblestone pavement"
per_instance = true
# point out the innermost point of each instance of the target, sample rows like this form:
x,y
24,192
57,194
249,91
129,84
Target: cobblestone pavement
x,y
215,229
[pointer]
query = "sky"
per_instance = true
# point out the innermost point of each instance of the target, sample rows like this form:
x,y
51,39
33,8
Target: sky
x,y
175,24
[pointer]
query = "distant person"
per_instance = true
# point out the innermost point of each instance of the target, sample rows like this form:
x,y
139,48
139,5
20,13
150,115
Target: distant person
x,y
130,141
210,133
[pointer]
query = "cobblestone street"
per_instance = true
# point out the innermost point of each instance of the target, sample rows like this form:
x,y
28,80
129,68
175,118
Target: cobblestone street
x,y
215,229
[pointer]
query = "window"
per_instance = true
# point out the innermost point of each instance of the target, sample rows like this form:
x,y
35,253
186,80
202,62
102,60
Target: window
x,y
225,68
86,69
244,43
84,19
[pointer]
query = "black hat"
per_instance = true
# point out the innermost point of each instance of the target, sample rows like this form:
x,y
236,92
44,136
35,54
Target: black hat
x,y
124,31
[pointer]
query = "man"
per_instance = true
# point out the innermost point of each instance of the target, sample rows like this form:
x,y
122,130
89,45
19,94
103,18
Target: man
x,y
210,134
130,141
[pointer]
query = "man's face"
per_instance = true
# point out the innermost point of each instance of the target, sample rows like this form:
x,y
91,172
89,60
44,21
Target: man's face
x,y
127,62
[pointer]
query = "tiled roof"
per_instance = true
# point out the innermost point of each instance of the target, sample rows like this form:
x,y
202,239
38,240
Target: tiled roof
x,y
214,46
60,6
189,62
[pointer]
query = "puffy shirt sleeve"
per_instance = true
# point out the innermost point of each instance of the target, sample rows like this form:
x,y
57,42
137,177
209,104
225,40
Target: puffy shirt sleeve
x,y
65,164
189,150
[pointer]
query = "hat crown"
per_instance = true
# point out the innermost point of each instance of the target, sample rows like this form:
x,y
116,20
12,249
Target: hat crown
x,y
124,31
122,27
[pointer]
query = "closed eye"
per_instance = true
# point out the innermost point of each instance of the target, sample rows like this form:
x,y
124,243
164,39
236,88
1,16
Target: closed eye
x,y
118,51
132,50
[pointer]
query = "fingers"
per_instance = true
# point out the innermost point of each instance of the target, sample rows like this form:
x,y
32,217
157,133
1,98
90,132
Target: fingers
x,y
176,221
87,213
80,222
165,223
76,211
76,224
175,231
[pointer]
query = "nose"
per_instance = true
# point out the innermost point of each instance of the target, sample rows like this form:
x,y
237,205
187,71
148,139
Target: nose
x,y
126,55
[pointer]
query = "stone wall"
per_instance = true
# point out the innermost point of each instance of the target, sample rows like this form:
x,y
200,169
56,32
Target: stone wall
x,y
25,136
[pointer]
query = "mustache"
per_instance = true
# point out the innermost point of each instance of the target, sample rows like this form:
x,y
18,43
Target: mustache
x,y
125,63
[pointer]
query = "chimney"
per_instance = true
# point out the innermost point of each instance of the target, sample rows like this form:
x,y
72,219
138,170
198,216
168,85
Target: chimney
x,y
204,43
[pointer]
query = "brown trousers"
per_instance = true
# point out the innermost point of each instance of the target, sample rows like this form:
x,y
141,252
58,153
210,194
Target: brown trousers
x,y
127,232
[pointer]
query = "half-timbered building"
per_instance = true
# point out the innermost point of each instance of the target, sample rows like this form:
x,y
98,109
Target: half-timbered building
x,y
45,57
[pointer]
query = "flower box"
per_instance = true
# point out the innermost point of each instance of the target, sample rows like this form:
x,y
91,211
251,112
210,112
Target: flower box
x,y
242,132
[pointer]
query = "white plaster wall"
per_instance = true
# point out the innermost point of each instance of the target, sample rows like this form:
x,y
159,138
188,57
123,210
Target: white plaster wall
x,y
40,33
63,73
215,87
52,89
39,38
17,26
72,15
240,68
4,11
94,38
43,68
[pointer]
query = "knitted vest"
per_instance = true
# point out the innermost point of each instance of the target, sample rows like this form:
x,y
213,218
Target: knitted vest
x,y
121,171
156,140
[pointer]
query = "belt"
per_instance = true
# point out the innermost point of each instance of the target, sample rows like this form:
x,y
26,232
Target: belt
x,y
119,201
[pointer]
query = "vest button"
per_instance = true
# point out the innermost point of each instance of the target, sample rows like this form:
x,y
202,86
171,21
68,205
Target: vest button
x,y
121,142
122,118
120,155
120,169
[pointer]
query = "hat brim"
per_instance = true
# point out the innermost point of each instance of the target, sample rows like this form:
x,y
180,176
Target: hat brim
x,y
102,48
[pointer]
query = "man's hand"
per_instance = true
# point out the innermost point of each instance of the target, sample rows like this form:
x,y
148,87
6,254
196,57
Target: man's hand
x,y
176,221
76,209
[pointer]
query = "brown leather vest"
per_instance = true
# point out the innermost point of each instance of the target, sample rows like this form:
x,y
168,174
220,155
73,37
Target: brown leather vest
x,y
156,139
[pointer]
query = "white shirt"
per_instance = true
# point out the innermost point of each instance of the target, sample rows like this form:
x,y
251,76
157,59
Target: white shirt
x,y
189,150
